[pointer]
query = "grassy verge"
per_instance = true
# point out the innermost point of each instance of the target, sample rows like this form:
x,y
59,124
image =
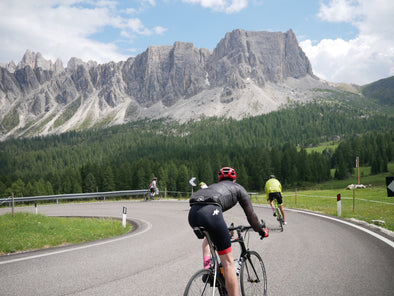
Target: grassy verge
x,y
369,203
28,231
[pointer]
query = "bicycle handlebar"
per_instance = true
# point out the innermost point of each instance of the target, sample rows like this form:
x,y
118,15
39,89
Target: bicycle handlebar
x,y
242,228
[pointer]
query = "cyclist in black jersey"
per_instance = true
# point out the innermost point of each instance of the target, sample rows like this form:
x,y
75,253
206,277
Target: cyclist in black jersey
x,y
207,207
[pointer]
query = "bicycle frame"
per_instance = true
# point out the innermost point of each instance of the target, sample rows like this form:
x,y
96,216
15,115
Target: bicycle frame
x,y
239,239
244,258
215,261
279,216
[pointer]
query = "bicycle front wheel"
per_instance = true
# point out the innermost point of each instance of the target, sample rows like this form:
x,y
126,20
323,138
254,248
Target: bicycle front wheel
x,y
253,277
201,283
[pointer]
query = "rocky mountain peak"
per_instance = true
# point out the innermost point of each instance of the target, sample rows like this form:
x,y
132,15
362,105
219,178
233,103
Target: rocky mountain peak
x,y
262,56
247,74
34,60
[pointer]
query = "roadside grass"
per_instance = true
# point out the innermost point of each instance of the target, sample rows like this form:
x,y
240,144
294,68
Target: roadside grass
x,y
371,203
27,231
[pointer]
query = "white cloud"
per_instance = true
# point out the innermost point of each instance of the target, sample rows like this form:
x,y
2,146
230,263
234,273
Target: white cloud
x,y
367,57
337,11
227,6
159,30
63,29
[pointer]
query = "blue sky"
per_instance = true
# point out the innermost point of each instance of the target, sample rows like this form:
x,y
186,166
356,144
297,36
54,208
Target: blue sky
x,y
345,40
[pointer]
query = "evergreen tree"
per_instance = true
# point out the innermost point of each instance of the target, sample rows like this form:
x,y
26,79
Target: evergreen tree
x,y
90,184
17,188
108,179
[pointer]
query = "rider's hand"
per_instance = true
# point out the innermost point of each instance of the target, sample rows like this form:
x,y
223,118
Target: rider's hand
x,y
264,232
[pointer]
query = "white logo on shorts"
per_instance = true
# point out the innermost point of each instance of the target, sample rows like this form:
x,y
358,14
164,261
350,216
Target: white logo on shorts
x,y
215,212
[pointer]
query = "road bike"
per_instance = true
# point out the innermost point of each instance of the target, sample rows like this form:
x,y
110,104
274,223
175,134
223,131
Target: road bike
x,y
278,215
149,195
249,267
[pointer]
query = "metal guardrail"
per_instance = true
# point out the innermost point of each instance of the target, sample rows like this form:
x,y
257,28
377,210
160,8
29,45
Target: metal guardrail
x,y
74,196
89,195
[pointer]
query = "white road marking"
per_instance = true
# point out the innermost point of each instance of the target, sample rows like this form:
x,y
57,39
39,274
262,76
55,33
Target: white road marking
x,y
378,236
76,248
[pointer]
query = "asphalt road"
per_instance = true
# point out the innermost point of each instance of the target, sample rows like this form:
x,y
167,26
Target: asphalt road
x,y
313,256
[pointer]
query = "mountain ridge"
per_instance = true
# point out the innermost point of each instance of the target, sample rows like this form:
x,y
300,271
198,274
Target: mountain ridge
x,y
247,74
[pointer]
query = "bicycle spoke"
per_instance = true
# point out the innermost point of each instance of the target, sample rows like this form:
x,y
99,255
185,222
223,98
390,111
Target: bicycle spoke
x,y
253,277
201,283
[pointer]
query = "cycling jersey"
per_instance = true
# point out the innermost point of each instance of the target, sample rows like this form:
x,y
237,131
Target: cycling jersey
x,y
273,185
273,189
226,194
153,188
153,184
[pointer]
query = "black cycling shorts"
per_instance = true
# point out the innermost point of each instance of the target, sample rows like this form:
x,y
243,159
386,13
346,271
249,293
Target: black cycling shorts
x,y
211,218
277,196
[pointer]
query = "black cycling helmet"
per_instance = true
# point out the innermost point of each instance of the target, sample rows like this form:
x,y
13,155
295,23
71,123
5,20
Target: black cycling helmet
x,y
227,173
272,177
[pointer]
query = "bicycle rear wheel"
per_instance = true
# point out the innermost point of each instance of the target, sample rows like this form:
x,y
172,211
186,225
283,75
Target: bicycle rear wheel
x,y
201,283
253,277
279,218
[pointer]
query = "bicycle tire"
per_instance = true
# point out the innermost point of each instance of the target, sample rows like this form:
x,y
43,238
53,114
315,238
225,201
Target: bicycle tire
x,y
253,277
198,287
280,218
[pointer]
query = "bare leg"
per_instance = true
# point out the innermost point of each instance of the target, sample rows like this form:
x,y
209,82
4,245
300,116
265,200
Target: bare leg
x,y
206,254
283,212
229,273
272,205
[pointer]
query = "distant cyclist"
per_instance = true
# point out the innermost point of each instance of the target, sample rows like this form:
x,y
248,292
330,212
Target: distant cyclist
x,y
207,207
153,187
273,189
203,185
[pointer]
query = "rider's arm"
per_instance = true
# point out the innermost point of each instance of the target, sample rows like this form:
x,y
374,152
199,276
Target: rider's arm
x,y
253,220
266,188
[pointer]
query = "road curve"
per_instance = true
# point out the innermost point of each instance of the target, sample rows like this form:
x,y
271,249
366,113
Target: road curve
x,y
313,256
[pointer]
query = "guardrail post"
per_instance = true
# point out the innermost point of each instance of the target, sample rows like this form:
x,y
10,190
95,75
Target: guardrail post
x,y
124,217
354,199
339,208
13,204
35,205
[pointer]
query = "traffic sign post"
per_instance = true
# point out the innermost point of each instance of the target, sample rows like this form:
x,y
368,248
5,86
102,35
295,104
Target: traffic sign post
x,y
339,208
390,186
192,183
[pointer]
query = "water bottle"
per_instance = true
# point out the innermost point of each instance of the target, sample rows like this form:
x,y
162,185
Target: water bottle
x,y
221,269
237,265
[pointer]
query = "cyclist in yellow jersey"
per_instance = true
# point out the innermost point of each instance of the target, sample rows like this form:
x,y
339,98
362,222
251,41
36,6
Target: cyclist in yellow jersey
x,y
273,189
